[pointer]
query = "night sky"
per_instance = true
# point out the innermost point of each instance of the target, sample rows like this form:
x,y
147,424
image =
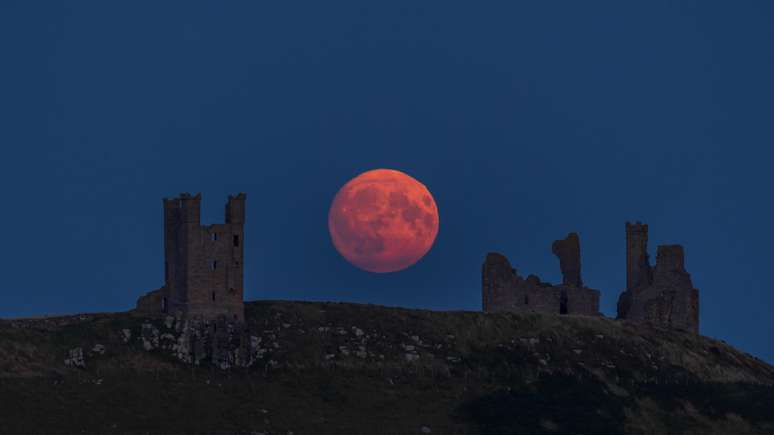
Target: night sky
x,y
525,122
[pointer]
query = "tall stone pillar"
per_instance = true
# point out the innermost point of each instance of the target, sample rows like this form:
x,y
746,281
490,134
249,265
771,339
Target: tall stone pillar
x,y
568,251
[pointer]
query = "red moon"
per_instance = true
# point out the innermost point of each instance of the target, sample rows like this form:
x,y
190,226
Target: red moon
x,y
383,221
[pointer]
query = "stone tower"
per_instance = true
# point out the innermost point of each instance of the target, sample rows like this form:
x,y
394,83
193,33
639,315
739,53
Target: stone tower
x,y
662,295
203,265
638,273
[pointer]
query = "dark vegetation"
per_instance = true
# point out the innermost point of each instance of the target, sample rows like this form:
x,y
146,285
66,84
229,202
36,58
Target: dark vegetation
x,y
473,373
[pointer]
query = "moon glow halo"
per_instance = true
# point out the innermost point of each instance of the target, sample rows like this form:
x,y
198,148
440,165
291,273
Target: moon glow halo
x,y
383,221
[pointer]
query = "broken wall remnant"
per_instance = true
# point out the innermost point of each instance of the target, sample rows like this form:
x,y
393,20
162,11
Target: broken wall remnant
x,y
503,289
568,251
638,272
662,295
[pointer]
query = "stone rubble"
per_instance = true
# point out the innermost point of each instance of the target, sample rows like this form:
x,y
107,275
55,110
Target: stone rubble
x,y
149,336
126,335
411,357
226,345
75,358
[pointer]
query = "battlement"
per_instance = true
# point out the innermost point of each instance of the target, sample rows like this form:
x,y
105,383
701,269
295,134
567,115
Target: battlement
x,y
188,208
235,208
637,227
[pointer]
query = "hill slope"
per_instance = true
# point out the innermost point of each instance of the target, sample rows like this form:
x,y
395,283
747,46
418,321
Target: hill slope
x,y
334,368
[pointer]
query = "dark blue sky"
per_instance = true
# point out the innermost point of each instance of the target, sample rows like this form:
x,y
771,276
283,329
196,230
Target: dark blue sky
x,y
525,122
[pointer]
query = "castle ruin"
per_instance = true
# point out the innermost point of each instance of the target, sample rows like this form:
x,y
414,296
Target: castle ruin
x,y
662,295
203,265
503,289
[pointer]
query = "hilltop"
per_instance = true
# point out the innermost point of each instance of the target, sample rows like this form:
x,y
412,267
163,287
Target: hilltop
x,y
338,368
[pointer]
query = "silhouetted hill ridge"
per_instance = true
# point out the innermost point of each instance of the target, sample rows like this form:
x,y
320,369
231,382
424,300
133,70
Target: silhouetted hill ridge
x,y
318,368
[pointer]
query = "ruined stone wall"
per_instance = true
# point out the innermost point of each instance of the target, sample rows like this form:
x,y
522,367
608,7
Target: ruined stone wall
x,y
540,297
171,293
581,300
504,290
677,305
568,251
217,287
667,298
497,279
203,265
150,303
638,272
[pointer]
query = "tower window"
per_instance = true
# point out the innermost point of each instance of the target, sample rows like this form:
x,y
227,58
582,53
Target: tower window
x,y
214,236
236,241
213,296
164,305
526,300
213,264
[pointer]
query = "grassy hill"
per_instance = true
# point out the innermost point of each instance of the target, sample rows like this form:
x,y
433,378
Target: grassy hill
x,y
335,368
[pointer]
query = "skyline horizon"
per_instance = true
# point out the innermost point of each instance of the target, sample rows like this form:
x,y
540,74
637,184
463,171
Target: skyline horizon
x,y
525,122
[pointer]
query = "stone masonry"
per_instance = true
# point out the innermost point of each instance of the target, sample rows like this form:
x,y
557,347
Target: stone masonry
x,y
568,251
503,289
662,295
203,265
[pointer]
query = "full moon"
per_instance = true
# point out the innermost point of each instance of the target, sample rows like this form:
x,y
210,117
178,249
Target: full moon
x,y
383,221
